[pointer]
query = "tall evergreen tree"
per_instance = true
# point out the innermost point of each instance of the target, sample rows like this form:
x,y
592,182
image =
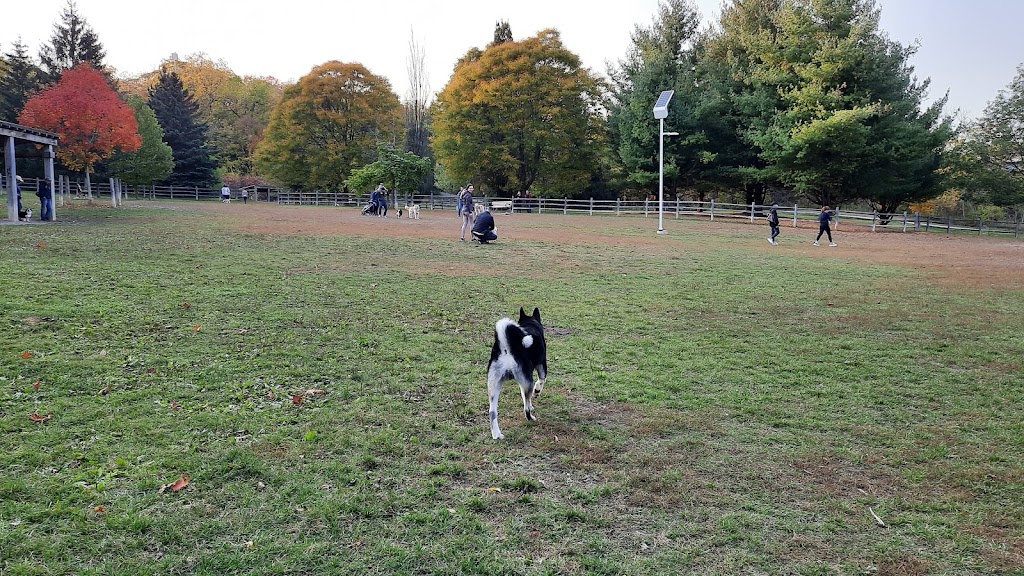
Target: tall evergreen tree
x,y
850,123
661,57
73,42
177,113
502,33
22,80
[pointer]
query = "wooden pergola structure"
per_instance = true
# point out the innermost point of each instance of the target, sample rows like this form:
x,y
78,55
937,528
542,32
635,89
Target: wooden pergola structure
x,y
12,132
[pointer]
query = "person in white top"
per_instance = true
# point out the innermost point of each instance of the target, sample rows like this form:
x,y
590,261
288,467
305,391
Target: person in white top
x,y
225,193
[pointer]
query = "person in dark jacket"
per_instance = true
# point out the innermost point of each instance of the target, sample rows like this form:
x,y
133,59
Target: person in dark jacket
x,y
45,201
773,221
483,228
823,228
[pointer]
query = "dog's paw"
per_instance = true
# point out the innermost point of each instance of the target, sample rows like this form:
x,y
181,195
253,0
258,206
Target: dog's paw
x,y
497,436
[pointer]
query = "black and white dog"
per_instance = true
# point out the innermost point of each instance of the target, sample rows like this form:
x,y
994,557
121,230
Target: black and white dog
x,y
518,350
25,215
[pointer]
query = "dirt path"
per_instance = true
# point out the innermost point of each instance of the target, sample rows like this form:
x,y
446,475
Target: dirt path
x,y
969,261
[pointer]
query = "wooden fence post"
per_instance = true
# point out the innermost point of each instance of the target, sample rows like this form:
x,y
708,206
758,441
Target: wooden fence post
x,y
794,215
565,205
646,202
874,219
197,192
677,207
617,202
904,220
751,212
837,218
981,225
949,223
591,205
917,220
712,210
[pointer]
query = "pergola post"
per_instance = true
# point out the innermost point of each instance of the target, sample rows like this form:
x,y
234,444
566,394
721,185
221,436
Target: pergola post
x,y
12,180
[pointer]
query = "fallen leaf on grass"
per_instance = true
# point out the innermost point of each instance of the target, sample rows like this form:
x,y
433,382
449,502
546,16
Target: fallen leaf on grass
x,y
197,327
103,353
494,489
105,390
26,355
270,395
100,509
41,245
37,418
151,371
175,406
315,392
249,545
37,384
177,485
186,305
297,399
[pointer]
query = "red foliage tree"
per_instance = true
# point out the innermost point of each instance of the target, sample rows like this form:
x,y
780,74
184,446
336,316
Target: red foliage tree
x,y
90,118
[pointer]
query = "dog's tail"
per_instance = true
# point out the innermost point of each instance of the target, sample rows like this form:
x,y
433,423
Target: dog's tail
x,y
511,336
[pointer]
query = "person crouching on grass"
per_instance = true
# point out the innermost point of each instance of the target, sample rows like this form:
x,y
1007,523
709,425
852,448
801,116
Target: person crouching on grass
x,y
823,228
483,228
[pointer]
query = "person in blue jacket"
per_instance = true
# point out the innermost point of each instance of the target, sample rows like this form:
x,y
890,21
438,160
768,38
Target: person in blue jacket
x,y
823,226
483,227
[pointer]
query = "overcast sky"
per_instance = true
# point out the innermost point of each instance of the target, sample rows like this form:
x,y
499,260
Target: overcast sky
x,y
971,48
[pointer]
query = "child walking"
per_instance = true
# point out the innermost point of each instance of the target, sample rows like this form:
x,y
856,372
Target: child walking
x,y
823,228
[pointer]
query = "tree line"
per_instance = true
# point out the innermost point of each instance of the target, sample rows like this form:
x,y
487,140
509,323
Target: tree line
x,y
784,100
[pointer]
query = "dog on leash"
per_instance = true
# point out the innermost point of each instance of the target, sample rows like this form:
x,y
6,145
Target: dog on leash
x,y
25,215
519,350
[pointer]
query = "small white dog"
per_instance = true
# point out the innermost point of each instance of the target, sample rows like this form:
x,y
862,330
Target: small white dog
x,y
478,208
413,211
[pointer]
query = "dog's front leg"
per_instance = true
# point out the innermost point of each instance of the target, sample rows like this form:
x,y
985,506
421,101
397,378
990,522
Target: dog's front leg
x,y
542,374
493,392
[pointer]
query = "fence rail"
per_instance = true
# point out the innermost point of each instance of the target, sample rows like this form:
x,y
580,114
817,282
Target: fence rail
x,y
676,208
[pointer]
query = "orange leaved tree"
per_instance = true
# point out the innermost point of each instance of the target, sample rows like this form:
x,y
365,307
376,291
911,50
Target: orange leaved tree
x,y
90,118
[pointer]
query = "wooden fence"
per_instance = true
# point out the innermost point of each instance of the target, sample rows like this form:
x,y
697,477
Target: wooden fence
x,y
794,216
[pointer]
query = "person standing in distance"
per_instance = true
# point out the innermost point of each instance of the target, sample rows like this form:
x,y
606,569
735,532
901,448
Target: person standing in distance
x,y
467,210
823,228
225,194
773,221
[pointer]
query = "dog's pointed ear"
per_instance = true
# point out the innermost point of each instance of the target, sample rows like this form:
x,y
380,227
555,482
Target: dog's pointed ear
x,y
536,314
522,314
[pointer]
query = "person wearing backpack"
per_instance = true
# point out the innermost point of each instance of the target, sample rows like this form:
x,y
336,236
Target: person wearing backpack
x,y
773,222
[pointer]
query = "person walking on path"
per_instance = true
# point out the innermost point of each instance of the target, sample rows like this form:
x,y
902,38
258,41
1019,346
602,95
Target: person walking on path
x,y
225,194
823,228
773,221
467,210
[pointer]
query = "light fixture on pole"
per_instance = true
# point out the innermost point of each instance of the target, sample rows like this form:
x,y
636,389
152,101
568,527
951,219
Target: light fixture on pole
x,y
660,113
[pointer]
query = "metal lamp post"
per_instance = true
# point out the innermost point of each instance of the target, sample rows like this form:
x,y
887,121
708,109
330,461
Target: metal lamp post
x,y
660,113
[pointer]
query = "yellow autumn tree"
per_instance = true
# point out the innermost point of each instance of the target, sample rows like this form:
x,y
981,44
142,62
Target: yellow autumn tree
x,y
521,116
329,124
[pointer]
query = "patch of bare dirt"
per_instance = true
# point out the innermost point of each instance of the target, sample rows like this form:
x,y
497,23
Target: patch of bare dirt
x,y
958,260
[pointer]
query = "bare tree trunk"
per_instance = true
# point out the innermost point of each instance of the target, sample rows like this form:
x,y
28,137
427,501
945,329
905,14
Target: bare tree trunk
x,y
417,100
88,185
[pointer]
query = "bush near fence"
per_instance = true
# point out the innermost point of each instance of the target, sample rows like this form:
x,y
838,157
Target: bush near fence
x,y
794,216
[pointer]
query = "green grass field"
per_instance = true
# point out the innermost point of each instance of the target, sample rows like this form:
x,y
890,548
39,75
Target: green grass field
x,y
714,406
